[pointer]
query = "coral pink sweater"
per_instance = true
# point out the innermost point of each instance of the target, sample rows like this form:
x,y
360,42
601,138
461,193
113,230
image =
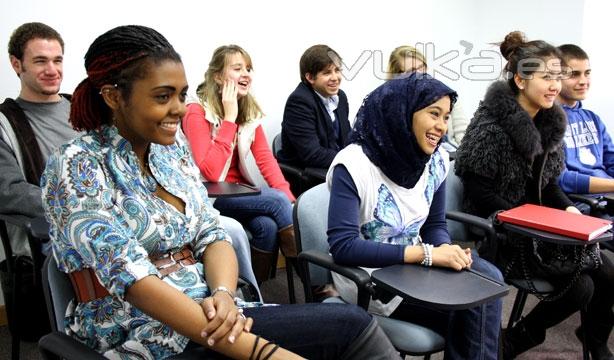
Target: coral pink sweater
x,y
212,154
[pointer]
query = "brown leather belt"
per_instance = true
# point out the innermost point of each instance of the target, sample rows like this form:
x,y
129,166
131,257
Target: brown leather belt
x,y
88,288
171,262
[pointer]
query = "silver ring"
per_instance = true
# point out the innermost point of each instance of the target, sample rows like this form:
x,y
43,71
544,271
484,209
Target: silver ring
x,y
243,316
240,310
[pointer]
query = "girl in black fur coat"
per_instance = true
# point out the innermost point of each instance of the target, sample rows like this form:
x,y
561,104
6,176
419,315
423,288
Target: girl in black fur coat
x,y
516,132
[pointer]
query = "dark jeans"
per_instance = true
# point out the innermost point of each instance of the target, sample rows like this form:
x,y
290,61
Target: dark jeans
x,y
263,215
314,331
593,291
471,333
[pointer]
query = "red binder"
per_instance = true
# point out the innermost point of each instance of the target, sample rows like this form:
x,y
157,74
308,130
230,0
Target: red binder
x,y
556,221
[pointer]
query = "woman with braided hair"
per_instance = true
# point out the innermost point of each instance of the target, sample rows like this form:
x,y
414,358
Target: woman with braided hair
x,y
132,226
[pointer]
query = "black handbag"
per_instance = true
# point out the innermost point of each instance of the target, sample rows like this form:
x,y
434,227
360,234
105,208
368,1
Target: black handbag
x,y
563,260
522,257
553,261
536,259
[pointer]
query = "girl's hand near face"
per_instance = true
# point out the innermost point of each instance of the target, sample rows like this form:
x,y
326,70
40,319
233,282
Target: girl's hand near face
x,y
452,256
225,319
229,101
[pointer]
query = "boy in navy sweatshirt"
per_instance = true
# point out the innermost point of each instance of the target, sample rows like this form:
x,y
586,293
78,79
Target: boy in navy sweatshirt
x,y
589,151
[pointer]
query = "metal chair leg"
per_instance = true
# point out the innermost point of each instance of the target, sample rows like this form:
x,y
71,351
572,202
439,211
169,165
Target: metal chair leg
x,y
15,343
16,309
521,298
290,276
585,353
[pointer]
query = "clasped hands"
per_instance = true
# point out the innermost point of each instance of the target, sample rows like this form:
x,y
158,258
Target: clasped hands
x,y
452,256
224,319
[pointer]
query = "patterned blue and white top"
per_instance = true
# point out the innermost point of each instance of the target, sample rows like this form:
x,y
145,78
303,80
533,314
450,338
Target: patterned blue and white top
x,y
104,215
390,213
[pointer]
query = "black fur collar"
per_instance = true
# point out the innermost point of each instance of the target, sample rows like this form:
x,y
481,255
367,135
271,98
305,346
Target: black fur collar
x,y
530,137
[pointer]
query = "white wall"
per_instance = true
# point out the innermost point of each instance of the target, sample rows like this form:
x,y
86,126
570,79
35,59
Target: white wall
x,y
596,40
283,32
276,34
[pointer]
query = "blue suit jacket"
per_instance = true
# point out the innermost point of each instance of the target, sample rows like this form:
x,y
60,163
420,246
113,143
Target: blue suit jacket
x,y
307,133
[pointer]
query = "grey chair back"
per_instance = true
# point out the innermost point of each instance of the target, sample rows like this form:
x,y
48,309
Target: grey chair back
x,y
276,145
454,201
311,224
58,293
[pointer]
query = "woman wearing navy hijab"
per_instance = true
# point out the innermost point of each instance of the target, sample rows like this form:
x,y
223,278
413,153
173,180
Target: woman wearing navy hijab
x,y
387,207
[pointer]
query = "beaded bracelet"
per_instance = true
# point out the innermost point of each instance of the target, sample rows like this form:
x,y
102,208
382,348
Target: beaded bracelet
x,y
427,249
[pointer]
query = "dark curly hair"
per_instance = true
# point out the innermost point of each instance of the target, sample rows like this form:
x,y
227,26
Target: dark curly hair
x,y
29,31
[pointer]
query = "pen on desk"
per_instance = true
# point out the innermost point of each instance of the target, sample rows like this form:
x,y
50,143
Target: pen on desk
x,y
483,276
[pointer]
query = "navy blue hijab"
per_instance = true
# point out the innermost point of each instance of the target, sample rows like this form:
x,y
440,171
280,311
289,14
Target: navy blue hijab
x,y
383,125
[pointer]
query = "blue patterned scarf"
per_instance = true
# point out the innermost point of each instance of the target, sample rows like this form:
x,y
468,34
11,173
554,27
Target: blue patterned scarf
x,y
383,125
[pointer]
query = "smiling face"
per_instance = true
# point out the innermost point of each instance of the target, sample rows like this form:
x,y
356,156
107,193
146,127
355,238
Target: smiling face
x,y
238,70
576,84
154,109
540,90
430,124
411,64
326,82
40,70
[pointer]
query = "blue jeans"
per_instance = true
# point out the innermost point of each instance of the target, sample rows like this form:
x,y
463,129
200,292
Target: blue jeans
x,y
263,215
241,246
473,333
314,330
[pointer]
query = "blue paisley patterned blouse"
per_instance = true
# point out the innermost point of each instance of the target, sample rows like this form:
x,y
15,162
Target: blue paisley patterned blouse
x,y
104,215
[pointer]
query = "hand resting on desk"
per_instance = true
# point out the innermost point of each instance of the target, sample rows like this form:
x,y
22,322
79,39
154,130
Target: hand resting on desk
x,y
445,255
